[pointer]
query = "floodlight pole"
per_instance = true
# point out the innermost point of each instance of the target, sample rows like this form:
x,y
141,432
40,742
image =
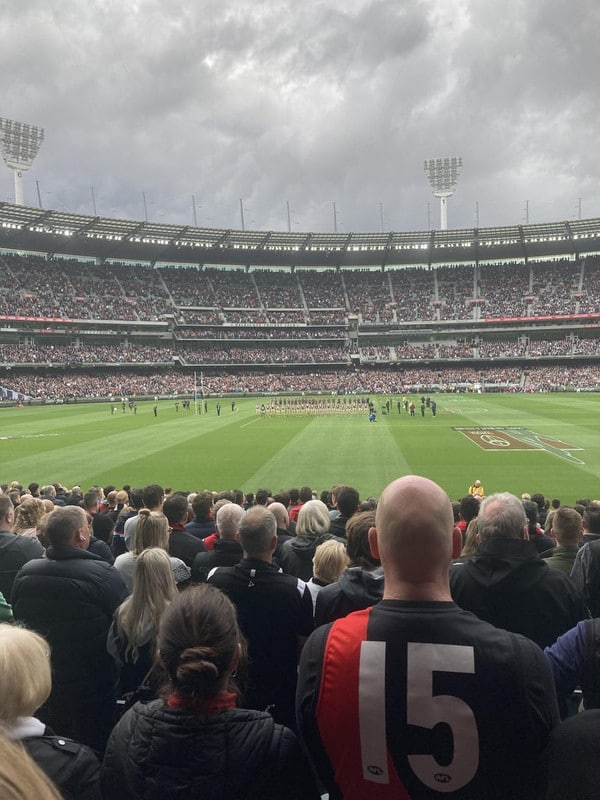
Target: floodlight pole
x,y
19,144
443,174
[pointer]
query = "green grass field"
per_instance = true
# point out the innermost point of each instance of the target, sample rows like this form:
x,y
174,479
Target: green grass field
x,y
85,444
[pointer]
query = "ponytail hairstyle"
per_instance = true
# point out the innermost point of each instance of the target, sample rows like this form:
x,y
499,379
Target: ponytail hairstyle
x,y
138,617
151,530
199,642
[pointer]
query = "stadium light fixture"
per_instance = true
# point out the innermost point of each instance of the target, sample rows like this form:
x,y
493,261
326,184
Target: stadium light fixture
x,y
443,175
19,144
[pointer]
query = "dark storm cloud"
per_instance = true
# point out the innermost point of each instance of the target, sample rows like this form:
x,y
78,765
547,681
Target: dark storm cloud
x,y
312,103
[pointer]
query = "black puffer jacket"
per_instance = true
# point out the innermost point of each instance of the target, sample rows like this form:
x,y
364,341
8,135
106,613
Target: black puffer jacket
x,y
72,766
70,597
156,753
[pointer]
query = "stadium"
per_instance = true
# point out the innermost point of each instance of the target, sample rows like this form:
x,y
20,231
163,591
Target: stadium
x,y
96,308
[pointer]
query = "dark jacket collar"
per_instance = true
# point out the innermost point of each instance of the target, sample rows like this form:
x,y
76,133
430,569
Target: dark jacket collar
x,y
64,552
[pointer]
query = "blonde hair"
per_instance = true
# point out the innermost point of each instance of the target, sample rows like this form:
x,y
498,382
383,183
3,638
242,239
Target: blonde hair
x,y
313,520
28,514
154,587
329,561
26,679
151,530
470,546
20,776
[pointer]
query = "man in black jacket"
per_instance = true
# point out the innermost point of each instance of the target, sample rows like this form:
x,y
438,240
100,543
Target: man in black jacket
x,y
507,584
275,612
70,597
15,550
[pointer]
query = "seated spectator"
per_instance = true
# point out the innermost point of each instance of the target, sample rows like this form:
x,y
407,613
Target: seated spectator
x,y
195,742
25,686
329,561
132,636
361,584
312,529
152,530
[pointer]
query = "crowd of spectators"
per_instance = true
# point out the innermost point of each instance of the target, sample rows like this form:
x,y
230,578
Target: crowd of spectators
x,y
67,288
52,384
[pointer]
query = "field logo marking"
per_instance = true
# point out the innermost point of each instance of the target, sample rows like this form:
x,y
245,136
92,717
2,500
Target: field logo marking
x,y
512,438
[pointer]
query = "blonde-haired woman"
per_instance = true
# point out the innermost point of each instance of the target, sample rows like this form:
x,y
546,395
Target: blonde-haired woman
x,y
152,530
27,516
329,561
25,685
132,637
312,529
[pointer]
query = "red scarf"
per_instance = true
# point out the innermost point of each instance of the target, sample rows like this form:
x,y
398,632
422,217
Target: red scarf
x,y
220,702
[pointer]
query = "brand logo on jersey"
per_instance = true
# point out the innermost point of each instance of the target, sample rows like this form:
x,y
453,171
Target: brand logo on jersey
x,y
374,769
442,777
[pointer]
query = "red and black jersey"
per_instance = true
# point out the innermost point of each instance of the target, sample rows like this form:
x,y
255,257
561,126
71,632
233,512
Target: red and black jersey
x,y
418,700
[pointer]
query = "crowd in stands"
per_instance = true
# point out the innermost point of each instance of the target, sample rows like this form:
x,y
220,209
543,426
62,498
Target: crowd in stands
x,y
84,290
198,643
279,332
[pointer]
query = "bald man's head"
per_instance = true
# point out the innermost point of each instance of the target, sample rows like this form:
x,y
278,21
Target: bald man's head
x,y
281,514
413,525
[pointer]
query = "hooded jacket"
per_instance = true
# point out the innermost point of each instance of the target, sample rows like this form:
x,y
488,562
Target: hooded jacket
x,y
356,589
507,584
297,554
156,752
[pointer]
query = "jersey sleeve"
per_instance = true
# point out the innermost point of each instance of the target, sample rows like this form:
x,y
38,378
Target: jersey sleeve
x,y
307,696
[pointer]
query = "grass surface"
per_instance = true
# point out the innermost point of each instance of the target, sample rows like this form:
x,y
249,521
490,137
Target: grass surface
x,y
85,444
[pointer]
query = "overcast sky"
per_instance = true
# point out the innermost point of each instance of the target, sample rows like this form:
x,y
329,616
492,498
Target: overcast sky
x,y
307,101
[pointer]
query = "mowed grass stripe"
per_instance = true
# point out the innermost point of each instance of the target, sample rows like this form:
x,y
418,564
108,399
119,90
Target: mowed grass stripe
x,y
333,450
83,443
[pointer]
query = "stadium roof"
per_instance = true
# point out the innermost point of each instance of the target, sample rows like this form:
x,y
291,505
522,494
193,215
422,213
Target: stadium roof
x,y
58,232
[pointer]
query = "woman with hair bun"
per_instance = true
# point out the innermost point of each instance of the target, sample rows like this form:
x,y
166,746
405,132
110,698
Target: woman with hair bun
x,y
194,742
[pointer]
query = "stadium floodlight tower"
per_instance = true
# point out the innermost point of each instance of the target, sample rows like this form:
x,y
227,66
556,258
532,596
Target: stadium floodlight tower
x,y
19,144
443,175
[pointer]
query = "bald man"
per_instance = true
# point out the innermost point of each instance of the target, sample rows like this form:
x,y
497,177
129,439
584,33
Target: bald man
x,y
415,698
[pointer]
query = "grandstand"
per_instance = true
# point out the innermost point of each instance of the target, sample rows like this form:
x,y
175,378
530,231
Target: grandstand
x,y
91,307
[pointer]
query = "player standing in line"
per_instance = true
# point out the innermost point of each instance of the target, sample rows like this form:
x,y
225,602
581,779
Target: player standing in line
x,y
414,698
